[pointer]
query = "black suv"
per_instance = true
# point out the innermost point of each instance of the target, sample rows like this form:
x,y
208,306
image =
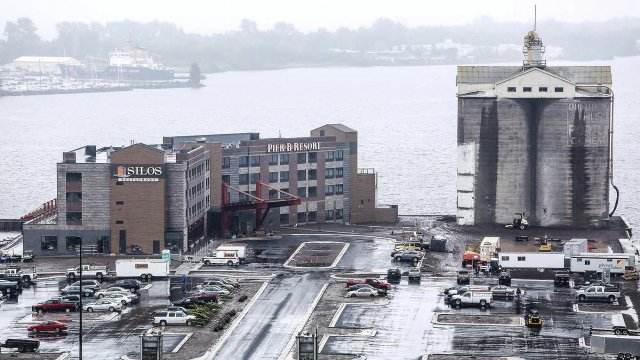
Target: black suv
x,y
129,284
561,278
192,301
505,278
394,275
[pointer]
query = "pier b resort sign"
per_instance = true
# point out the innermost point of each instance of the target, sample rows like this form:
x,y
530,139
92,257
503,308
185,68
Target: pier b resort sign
x,y
137,173
295,146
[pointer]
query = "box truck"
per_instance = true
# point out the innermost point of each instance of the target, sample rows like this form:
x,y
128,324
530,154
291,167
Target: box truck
x,y
144,269
240,248
615,262
489,247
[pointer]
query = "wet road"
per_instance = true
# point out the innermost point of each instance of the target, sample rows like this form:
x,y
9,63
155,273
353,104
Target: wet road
x,y
268,326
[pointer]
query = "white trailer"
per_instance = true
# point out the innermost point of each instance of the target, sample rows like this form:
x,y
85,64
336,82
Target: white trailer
x,y
531,260
575,247
240,248
615,262
144,269
489,247
626,345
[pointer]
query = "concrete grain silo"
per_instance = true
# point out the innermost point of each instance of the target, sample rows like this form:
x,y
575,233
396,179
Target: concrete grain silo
x,y
534,139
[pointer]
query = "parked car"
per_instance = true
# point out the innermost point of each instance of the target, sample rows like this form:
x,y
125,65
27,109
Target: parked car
x,y
596,292
408,255
463,277
119,297
226,281
214,290
75,290
503,291
561,278
217,283
27,256
9,287
415,274
89,284
103,305
192,301
53,305
48,326
363,292
481,298
504,278
129,284
70,298
373,282
164,318
394,275
597,283
359,286
112,290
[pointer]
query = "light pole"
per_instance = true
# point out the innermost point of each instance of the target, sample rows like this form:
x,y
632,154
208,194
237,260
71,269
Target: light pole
x,y
80,332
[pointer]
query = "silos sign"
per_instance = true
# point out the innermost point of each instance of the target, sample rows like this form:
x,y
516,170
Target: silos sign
x,y
137,173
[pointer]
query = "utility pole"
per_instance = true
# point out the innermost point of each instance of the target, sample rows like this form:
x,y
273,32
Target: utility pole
x,y
80,332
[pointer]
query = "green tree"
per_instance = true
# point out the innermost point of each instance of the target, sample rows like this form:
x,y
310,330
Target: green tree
x,y
22,39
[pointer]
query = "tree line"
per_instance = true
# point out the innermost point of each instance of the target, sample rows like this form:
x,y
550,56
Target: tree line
x,y
251,48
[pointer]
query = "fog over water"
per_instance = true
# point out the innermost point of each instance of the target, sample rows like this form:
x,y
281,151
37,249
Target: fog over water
x,y
405,118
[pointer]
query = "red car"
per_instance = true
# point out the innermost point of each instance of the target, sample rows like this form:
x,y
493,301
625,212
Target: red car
x,y
48,326
373,282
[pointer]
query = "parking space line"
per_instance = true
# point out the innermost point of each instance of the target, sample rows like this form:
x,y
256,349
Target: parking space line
x,y
186,338
336,316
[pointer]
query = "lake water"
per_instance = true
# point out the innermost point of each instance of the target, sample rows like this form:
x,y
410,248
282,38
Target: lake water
x,y
405,118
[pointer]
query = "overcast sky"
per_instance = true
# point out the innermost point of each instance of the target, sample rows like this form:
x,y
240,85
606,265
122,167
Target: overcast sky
x,y
209,16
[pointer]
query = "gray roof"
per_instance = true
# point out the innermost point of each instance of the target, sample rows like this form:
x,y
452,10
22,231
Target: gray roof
x,y
340,127
494,74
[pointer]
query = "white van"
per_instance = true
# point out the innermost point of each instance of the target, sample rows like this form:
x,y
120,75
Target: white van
x,y
222,257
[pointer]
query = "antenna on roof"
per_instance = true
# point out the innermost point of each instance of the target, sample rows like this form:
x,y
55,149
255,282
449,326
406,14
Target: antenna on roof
x,y
279,134
535,16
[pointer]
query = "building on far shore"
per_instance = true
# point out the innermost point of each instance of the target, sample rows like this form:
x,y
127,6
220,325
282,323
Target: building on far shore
x,y
146,198
42,65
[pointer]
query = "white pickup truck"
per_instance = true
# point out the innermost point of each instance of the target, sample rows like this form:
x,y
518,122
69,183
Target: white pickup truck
x,y
88,271
596,292
473,297
18,274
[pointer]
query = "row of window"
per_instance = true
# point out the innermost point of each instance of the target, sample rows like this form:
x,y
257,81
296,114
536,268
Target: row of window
x,y
198,170
50,243
312,216
283,159
542,89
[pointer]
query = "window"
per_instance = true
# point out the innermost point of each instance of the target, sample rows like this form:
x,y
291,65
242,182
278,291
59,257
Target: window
x,y
329,156
254,177
74,218
119,222
74,197
284,176
328,190
313,174
284,195
243,179
73,243
542,89
255,161
321,132
302,192
339,214
119,202
244,161
313,216
579,260
273,159
313,157
328,214
504,258
226,179
313,191
559,89
522,258
284,159
302,217
339,189
49,243
273,177
526,89
273,194
609,260
339,155
302,175
284,219
511,89
328,173
587,262
74,177
302,158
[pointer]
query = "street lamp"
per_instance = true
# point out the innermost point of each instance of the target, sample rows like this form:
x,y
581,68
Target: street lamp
x,y
80,332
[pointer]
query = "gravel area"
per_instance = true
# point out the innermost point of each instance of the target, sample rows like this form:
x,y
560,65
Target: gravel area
x,y
314,254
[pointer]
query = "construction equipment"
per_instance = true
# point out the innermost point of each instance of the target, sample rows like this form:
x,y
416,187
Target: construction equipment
x,y
520,222
532,319
545,246
630,273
